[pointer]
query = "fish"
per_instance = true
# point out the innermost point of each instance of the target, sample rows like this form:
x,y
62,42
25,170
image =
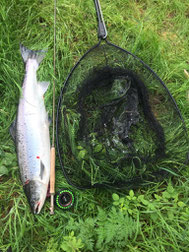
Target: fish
x,y
30,132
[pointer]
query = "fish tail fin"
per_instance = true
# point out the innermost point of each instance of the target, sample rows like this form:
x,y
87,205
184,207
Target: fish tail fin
x,y
30,54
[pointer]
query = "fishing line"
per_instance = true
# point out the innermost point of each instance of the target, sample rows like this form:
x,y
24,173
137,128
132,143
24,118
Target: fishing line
x,y
52,171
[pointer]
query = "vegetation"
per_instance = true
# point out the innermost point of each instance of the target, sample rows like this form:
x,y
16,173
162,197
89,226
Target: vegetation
x,y
153,218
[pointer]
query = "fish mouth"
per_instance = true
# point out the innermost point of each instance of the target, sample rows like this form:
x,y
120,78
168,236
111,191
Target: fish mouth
x,y
37,208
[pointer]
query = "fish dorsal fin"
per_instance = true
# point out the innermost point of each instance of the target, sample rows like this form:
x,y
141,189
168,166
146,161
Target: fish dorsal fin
x,y
12,130
43,86
30,54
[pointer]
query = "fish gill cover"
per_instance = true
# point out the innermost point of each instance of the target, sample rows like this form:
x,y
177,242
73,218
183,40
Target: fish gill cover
x,y
118,125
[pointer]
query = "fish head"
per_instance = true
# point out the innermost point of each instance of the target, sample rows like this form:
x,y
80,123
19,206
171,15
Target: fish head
x,y
36,193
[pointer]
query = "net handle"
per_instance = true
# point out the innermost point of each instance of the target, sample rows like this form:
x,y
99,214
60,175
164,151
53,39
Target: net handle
x,y
102,31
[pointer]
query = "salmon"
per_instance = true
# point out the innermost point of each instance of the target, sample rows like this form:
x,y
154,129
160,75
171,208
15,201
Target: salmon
x,y
30,131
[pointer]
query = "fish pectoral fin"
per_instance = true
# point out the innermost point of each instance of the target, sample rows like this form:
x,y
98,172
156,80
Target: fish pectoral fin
x,y
49,119
12,130
42,170
43,86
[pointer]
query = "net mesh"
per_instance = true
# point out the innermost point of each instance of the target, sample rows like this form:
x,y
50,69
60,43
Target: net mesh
x,y
117,124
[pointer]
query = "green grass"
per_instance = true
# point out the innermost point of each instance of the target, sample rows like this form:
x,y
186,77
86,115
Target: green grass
x,y
153,218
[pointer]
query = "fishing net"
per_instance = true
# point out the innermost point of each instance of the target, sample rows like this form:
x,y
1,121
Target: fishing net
x,y
117,123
